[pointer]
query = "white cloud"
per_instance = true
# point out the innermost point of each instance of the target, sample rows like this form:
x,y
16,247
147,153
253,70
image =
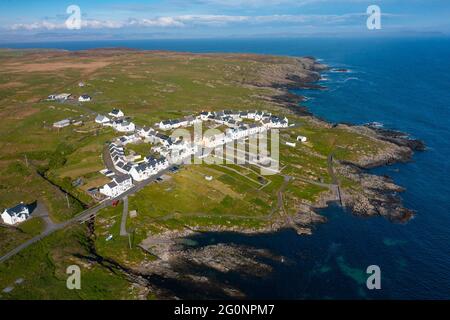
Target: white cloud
x,y
192,20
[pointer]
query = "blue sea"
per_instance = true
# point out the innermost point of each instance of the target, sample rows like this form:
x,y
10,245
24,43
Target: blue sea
x,y
403,83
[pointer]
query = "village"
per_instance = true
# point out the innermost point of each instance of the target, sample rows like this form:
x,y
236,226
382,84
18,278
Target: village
x,y
124,171
168,151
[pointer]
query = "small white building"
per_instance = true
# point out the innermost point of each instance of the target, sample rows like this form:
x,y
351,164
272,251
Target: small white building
x,y
117,186
291,144
101,119
16,214
302,139
62,124
84,98
116,113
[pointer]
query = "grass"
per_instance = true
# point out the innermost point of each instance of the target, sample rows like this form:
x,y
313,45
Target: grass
x,y
41,271
148,87
33,226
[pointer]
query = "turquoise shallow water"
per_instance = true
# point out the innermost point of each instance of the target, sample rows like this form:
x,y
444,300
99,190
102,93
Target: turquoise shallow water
x,y
402,83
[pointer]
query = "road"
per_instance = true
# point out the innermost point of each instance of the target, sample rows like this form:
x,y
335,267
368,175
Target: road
x,y
109,164
82,217
334,179
123,223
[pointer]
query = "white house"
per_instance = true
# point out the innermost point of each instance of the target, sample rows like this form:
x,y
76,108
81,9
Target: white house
x,y
165,125
124,126
84,98
172,124
259,115
62,124
163,139
191,120
302,139
253,128
149,168
243,115
116,113
251,115
16,214
146,132
134,138
233,114
275,122
204,115
142,172
101,119
117,186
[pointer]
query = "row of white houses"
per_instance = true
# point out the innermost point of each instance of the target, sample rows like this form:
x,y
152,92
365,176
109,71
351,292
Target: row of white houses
x,y
130,170
234,118
150,167
174,151
117,186
178,123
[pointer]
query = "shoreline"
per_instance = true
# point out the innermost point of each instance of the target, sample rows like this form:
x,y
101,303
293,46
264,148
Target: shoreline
x,y
384,200
385,197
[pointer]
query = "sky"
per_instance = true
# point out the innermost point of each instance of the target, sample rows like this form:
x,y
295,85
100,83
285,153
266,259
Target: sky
x,y
24,20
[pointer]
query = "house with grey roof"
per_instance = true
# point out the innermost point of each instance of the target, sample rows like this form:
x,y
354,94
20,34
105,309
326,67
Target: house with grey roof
x,y
101,119
116,113
15,215
117,186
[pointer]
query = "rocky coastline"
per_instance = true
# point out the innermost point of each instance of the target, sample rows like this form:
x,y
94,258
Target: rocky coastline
x,y
380,196
185,272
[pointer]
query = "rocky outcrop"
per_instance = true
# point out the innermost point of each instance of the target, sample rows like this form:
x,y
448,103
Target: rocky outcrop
x,y
375,196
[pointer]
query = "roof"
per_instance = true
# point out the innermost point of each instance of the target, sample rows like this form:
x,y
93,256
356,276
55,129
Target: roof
x,y
18,209
100,117
141,167
127,168
122,178
62,122
163,137
112,184
116,111
120,164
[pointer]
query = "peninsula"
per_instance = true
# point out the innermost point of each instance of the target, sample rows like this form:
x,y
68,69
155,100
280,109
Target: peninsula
x,y
86,145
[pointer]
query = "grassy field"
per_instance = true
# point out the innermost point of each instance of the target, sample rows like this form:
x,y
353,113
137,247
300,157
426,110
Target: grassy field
x,y
38,162
39,272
